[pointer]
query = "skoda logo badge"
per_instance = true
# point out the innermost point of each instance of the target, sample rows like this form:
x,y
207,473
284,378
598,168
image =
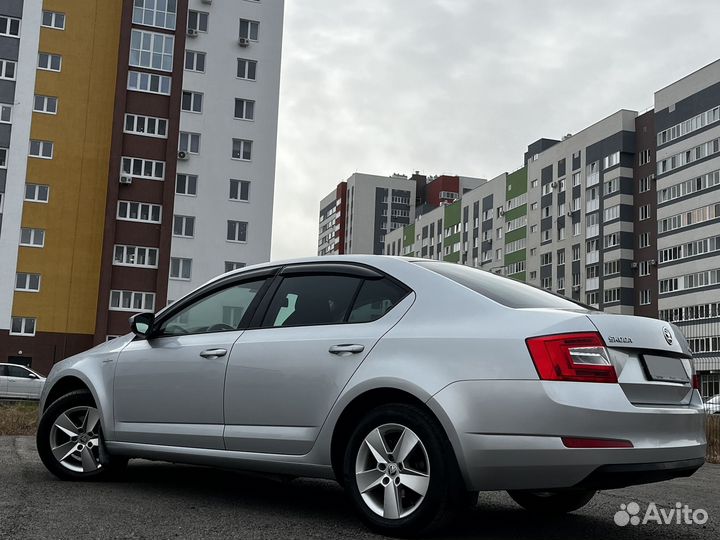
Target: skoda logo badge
x,y
668,336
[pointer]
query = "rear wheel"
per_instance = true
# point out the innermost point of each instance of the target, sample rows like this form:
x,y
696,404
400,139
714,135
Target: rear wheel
x,y
552,502
69,440
400,471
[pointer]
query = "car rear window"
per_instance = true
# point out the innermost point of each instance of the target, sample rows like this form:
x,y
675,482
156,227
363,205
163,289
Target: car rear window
x,y
502,290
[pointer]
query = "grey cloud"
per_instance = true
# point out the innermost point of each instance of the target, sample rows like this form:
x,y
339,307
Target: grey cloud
x,y
460,86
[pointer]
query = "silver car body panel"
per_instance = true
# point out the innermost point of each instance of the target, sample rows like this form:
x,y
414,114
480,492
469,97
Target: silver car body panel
x,y
459,352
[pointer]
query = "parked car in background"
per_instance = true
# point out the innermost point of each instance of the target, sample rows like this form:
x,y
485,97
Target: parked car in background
x,y
19,382
414,383
712,405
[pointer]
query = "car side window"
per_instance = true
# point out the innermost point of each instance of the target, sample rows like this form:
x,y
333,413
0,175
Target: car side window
x,y
311,300
3,371
221,311
376,298
18,372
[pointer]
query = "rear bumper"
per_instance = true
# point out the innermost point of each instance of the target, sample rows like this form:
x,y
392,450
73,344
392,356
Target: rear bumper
x,y
507,435
619,476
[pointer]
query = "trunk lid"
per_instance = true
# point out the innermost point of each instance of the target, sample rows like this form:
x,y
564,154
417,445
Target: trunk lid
x,y
651,358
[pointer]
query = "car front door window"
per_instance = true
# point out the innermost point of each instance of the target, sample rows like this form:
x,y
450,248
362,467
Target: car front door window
x,y
221,311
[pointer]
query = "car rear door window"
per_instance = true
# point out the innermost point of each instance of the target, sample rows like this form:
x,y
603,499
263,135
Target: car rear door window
x,y
502,290
3,371
309,300
375,299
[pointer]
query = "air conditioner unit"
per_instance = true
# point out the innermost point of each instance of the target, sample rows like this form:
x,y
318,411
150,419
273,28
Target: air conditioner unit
x,y
653,262
553,185
243,42
501,212
569,213
633,265
125,179
191,32
182,155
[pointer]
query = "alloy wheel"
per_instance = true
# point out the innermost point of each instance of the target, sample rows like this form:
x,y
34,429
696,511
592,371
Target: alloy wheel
x,y
75,439
392,471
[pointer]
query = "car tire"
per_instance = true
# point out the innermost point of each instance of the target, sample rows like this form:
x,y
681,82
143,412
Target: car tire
x,y
428,464
552,502
69,440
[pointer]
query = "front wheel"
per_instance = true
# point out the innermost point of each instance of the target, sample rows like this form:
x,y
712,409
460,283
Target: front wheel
x,y
552,502
69,440
400,471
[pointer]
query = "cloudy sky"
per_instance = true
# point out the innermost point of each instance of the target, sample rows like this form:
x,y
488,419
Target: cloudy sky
x,y
460,86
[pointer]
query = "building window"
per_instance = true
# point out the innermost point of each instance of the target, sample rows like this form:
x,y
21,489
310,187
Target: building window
x,y
51,19
180,268
184,226
246,69
37,193
237,231
5,113
137,211
41,149
688,187
146,257
186,184
611,295
149,82
240,190
143,168
611,267
49,62
198,20
547,283
151,50
195,61
612,212
233,265
192,101
45,104
147,126
576,253
189,142
644,268
534,184
10,26
611,160
645,184
576,179
158,13
27,282
644,212
132,301
545,258
7,70
242,149
644,240
23,326
3,158
249,29
32,237
244,109
644,157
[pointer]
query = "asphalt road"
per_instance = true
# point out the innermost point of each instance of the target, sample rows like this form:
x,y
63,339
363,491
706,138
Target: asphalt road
x,y
159,500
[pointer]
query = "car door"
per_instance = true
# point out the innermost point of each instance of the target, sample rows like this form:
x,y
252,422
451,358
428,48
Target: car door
x,y
21,382
318,323
3,382
168,389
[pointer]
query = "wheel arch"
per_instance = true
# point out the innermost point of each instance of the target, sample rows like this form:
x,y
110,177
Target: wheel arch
x,y
65,385
362,403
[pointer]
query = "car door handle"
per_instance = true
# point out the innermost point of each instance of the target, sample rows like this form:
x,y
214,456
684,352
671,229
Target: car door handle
x,y
213,353
345,349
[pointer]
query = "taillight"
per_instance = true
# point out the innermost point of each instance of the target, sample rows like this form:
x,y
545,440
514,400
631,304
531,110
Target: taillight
x,y
578,357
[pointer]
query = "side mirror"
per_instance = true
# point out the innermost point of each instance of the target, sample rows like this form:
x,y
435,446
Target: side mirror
x,y
141,324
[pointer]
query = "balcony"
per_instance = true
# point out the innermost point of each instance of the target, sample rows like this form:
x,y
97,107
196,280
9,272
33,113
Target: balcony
x,y
592,231
592,257
592,284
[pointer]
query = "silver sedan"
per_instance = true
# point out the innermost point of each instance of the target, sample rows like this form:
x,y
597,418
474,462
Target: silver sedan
x,y
413,383
19,382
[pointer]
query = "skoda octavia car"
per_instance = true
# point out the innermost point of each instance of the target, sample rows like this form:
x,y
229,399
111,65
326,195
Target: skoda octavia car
x,y
414,383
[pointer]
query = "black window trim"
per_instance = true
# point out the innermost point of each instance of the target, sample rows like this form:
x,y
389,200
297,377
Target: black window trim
x,y
349,269
230,281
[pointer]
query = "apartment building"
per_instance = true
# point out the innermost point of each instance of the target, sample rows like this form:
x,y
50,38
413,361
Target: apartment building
x,y
359,212
357,215
687,137
140,160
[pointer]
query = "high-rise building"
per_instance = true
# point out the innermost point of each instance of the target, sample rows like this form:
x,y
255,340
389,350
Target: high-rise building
x,y
359,212
137,159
